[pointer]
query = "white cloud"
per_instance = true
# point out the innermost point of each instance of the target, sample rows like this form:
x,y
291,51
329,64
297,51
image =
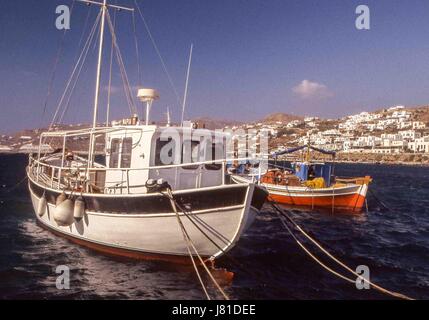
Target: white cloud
x,y
312,90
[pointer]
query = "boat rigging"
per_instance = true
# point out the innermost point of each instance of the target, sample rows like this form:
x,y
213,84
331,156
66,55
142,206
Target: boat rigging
x,y
110,205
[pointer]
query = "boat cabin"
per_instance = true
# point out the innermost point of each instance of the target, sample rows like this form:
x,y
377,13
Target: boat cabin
x,y
184,157
181,156
307,171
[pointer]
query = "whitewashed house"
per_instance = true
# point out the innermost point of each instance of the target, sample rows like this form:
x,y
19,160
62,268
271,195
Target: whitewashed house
x,y
396,108
409,134
402,114
405,124
420,145
418,125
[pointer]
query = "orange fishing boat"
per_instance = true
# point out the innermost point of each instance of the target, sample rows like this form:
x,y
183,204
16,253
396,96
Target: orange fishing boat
x,y
312,184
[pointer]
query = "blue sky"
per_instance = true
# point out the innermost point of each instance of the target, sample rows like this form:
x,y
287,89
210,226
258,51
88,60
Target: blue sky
x,y
251,58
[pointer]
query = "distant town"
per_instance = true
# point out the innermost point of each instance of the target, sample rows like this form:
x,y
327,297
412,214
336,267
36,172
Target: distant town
x,y
396,130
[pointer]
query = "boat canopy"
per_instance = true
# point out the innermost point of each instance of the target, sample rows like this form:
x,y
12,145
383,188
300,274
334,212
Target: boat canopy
x,y
307,171
292,150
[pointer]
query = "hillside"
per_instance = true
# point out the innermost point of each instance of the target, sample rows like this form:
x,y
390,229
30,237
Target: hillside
x,y
280,117
420,113
213,123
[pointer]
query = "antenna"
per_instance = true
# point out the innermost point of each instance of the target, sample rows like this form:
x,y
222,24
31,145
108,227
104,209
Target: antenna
x,y
105,4
187,82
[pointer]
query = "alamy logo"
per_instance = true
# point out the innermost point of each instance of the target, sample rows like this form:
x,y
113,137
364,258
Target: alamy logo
x,y
63,280
63,20
363,20
362,282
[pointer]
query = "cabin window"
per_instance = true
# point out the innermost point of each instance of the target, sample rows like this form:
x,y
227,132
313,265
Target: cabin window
x,y
114,153
160,144
190,154
127,148
215,154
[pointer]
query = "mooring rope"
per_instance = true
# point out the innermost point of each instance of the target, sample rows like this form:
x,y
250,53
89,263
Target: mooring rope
x,y
311,255
16,185
189,241
281,213
225,254
186,239
379,201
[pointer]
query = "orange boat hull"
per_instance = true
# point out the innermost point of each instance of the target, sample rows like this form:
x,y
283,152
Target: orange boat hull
x,y
347,194
353,202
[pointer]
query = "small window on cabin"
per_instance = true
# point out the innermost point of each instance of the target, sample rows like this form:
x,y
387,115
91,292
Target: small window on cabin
x,y
127,148
216,153
114,153
159,157
190,154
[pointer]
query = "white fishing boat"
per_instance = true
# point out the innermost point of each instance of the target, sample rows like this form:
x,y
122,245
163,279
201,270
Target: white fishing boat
x,y
124,199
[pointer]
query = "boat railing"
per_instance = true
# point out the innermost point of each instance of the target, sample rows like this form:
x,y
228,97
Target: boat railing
x,y
88,131
355,180
55,176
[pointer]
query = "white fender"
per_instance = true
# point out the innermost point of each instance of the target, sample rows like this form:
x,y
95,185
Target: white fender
x,y
61,198
41,208
63,214
79,209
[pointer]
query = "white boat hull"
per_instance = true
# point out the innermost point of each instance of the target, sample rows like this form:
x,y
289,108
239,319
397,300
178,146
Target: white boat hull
x,y
155,235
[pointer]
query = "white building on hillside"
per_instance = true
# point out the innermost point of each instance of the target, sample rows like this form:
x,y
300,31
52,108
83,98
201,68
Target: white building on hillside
x,y
367,141
405,125
348,125
396,108
402,114
310,119
418,125
391,136
331,132
409,134
293,124
420,145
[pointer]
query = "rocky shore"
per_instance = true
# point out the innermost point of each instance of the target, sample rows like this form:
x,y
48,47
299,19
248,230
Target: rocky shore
x,y
411,159
394,159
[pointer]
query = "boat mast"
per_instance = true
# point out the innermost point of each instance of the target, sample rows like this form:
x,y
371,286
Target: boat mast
x,y
100,56
97,85
104,7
